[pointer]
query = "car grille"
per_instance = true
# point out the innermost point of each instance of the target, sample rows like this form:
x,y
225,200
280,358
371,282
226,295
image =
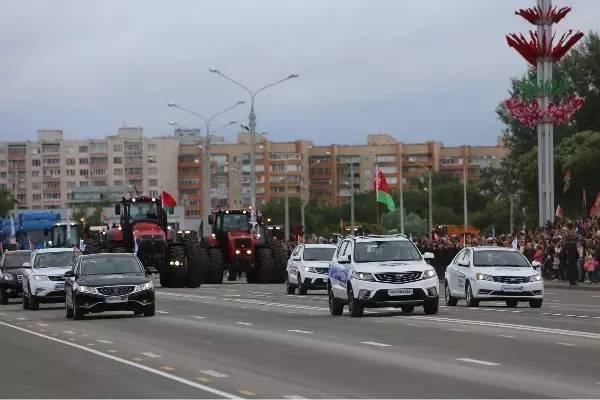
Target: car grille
x,y
511,279
322,270
115,290
20,278
57,278
399,277
512,294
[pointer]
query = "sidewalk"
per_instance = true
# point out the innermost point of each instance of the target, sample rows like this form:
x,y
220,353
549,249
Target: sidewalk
x,y
565,285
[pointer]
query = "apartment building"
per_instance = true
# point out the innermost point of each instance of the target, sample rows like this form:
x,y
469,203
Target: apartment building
x,y
53,172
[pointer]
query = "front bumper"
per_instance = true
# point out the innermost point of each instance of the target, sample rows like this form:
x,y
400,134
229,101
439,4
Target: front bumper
x,y
376,294
487,290
96,303
48,291
315,281
13,288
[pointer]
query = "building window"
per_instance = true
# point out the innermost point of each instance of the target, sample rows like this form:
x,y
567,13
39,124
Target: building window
x,y
153,193
83,183
35,174
451,161
52,196
153,182
70,185
100,183
51,161
152,147
133,171
70,172
36,185
70,161
98,172
83,172
135,182
117,183
98,147
83,149
381,158
117,148
152,171
133,147
118,171
99,160
117,160
51,148
83,160
37,197
35,163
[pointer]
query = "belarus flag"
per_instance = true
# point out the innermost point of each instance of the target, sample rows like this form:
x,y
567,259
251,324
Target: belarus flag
x,y
168,201
560,212
382,190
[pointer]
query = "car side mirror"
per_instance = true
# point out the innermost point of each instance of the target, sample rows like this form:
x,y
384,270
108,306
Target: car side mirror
x,y
345,260
536,264
463,264
296,258
428,256
69,274
26,265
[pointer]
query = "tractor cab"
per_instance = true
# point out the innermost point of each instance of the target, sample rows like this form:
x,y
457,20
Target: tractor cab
x,y
65,234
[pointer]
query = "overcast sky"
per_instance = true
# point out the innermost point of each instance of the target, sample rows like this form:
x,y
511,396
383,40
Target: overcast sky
x,y
418,70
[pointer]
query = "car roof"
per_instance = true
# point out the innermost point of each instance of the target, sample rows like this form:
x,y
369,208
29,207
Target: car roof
x,y
54,250
379,238
319,245
111,255
493,248
18,252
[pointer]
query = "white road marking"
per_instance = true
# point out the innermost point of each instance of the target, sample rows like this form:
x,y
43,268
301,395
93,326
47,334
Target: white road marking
x,y
296,397
501,310
516,311
506,336
377,344
232,295
214,374
198,317
151,355
582,316
161,312
129,363
555,307
473,308
2,313
245,323
112,351
571,315
456,330
43,325
21,319
565,344
300,331
557,315
546,313
480,362
104,341
416,325
69,332
487,309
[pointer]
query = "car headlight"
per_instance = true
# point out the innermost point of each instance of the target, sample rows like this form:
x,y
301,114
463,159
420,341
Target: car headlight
x,y
363,276
144,286
87,289
430,273
8,277
309,269
484,277
41,278
238,251
535,278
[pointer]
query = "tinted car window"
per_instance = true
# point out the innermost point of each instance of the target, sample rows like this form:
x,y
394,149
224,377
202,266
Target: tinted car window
x,y
386,250
493,258
15,260
110,266
318,254
56,259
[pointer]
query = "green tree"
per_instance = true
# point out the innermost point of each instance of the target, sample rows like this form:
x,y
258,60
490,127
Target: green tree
x,y
7,202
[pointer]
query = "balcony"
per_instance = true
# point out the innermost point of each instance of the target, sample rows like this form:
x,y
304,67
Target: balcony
x,y
51,178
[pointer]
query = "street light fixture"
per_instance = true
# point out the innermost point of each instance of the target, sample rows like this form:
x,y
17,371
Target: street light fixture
x,y
252,130
206,168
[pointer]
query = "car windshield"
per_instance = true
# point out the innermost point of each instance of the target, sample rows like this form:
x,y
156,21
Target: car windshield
x,y
65,236
110,266
56,259
235,222
386,250
15,260
498,258
144,211
318,254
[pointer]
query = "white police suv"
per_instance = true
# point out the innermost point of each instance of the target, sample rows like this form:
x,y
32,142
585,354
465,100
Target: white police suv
x,y
492,274
381,271
44,276
308,267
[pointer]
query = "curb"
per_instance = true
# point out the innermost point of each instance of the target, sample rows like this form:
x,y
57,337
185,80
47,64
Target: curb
x,y
566,286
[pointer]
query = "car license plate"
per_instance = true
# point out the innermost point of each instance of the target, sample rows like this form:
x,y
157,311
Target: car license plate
x,y
60,286
400,292
513,289
116,299
325,278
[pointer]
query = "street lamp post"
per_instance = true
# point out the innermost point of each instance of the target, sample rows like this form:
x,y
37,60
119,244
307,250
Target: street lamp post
x,y
252,127
430,195
206,207
287,201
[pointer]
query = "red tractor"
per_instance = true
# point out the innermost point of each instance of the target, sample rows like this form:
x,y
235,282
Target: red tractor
x,y
179,259
234,248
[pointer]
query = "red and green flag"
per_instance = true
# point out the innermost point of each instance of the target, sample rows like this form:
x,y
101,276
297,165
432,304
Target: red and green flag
x,y
382,190
168,201
567,178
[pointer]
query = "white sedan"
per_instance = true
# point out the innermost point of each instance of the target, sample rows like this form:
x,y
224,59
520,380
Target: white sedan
x,y
493,274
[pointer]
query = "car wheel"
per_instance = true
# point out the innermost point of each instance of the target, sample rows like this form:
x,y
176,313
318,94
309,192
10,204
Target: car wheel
x,y
3,296
407,309
431,307
150,310
471,301
34,304
69,310
355,306
512,303
290,287
450,300
78,312
336,307
536,303
302,290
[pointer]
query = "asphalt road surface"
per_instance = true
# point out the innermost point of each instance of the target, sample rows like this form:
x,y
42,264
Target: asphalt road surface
x,y
253,341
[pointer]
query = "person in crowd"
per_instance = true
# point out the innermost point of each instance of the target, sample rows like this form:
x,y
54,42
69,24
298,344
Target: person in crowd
x,y
590,267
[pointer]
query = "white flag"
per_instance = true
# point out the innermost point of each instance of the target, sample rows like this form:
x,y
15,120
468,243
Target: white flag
x,y
515,244
68,224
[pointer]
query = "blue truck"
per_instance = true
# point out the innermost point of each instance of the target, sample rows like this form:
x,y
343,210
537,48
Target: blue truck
x,y
33,228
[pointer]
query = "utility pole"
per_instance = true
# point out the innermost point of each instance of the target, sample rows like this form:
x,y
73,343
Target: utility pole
x,y
352,222
465,205
287,201
430,190
401,197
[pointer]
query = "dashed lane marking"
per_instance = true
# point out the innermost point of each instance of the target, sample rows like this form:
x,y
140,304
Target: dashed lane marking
x,y
136,359
300,331
204,380
214,374
557,315
127,362
112,351
582,316
151,355
571,315
294,397
90,344
506,336
376,344
247,393
161,312
43,325
456,330
21,319
565,344
167,368
104,341
198,317
69,332
245,323
479,362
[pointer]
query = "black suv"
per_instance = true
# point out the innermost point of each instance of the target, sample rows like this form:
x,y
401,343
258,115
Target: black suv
x,y
11,274
108,282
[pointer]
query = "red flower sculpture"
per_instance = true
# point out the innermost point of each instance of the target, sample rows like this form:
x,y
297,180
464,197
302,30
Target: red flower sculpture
x,y
564,111
533,48
529,113
528,49
536,16
565,43
526,112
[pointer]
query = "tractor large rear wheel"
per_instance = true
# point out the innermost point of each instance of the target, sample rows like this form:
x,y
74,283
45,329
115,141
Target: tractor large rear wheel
x,y
197,261
279,252
264,260
176,274
216,265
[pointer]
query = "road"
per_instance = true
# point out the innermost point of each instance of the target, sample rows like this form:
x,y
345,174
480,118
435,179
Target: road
x,y
253,341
